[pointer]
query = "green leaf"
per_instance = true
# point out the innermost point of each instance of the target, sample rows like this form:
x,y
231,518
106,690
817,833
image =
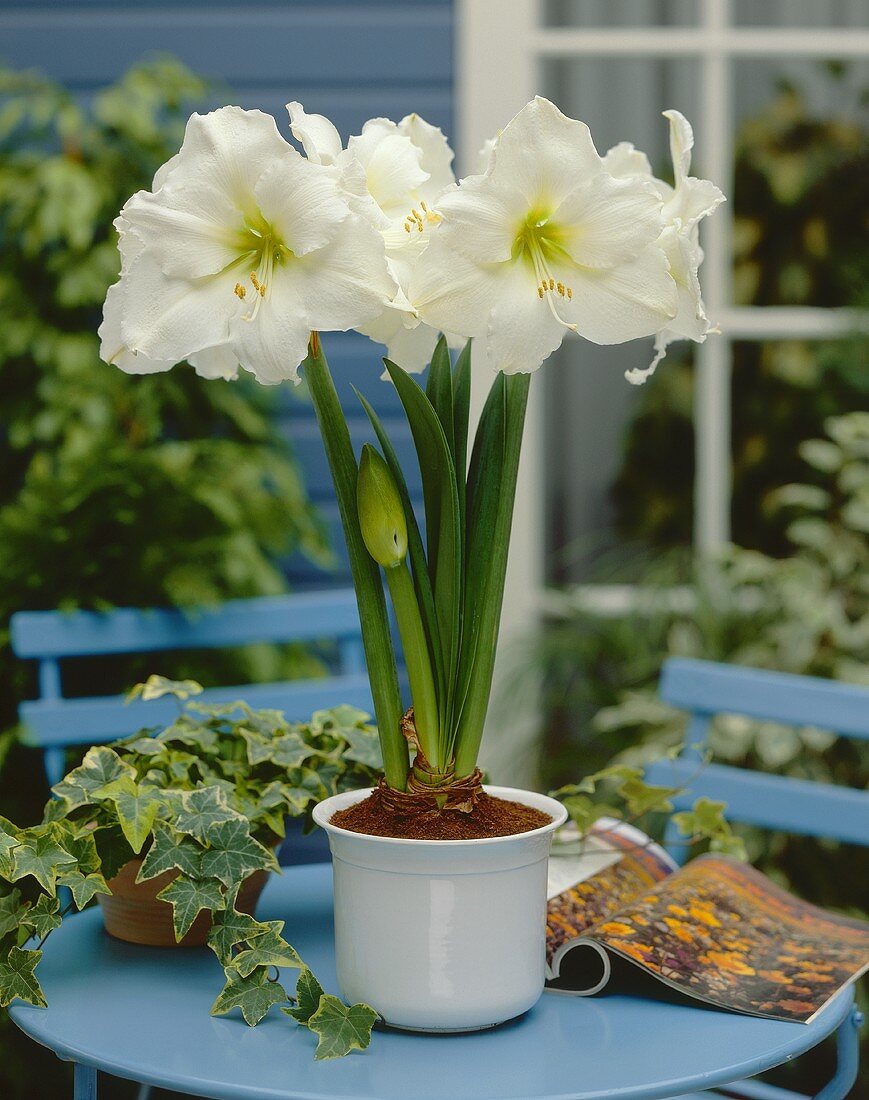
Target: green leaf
x,y
341,1028
156,687
188,898
101,766
308,994
254,995
17,978
231,928
441,511
289,750
84,887
40,856
268,949
8,842
461,417
171,851
112,848
137,808
201,810
439,389
41,918
363,746
13,911
491,495
233,853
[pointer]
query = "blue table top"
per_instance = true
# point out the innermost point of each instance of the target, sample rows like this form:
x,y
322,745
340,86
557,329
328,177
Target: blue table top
x,y
142,1013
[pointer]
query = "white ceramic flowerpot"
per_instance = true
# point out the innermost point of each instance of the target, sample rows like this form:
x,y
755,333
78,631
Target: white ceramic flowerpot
x,y
441,935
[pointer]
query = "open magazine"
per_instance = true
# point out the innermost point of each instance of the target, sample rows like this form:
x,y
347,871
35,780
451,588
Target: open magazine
x,y
715,929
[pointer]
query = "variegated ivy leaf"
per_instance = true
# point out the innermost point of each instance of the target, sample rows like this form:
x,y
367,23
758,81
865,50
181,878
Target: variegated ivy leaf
x,y
254,995
113,849
155,687
137,808
259,748
269,949
43,917
100,767
8,843
233,853
41,856
13,910
231,928
171,851
17,979
341,1027
308,994
303,785
290,751
188,898
363,746
188,731
83,887
340,718
202,809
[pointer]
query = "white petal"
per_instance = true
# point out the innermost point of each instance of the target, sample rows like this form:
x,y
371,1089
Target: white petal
x,y
112,348
692,200
484,156
436,154
452,293
318,136
302,201
610,306
608,221
681,143
171,319
273,343
544,154
347,283
521,330
162,173
410,347
625,160
225,152
481,219
391,162
215,363
185,243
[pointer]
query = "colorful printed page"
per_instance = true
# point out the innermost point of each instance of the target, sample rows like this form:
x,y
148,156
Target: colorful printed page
x,y
716,930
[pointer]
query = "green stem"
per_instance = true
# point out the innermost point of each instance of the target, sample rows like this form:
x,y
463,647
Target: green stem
x,y
376,639
415,646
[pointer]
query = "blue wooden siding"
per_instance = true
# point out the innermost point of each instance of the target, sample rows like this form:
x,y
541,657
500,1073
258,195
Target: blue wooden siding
x,y
351,61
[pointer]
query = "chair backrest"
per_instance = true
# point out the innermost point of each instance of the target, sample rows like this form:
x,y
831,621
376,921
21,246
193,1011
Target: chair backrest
x,y
53,722
790,805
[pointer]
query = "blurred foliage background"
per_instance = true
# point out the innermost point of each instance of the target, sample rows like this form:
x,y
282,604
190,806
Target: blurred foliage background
x,y
792,593
146,491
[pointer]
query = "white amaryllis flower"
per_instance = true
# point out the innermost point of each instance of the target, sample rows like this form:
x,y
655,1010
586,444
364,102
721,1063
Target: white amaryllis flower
x,y
545,241
241,251
394,174
684,205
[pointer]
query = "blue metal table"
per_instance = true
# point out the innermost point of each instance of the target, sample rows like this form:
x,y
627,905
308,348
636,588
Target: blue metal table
x,y
142,1013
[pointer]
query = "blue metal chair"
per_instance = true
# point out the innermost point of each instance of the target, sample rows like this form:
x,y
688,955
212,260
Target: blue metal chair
x,y
53,723
705,689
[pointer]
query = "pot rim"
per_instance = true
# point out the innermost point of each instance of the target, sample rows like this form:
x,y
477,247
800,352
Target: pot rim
x,y
324,810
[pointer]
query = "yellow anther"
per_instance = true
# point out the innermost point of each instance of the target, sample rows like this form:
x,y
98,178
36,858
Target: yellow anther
x,y
540,292
254,280
407,227
423,207
417,215
560,288
239,290
552,284
570,292
262,290
420,226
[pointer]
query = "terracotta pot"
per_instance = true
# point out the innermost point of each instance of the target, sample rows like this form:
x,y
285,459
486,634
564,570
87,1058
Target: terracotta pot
x,y
135,914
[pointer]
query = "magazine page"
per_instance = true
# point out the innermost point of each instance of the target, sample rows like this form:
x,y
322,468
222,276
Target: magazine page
x,y
720,931
590,880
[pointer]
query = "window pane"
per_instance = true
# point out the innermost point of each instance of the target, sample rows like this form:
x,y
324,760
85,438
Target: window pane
x,y
802,157
801,13
620,13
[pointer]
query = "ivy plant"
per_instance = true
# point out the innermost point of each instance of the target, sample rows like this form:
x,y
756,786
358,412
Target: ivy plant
x,y
206,797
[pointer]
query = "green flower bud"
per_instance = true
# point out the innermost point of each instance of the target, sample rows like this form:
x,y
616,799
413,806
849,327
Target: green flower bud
x,y
381,513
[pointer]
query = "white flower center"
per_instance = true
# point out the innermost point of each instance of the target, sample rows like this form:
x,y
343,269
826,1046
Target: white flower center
x,y
263,248
537,243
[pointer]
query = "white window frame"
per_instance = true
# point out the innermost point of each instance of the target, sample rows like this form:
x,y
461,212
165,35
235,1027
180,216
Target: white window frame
x,y
502,46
